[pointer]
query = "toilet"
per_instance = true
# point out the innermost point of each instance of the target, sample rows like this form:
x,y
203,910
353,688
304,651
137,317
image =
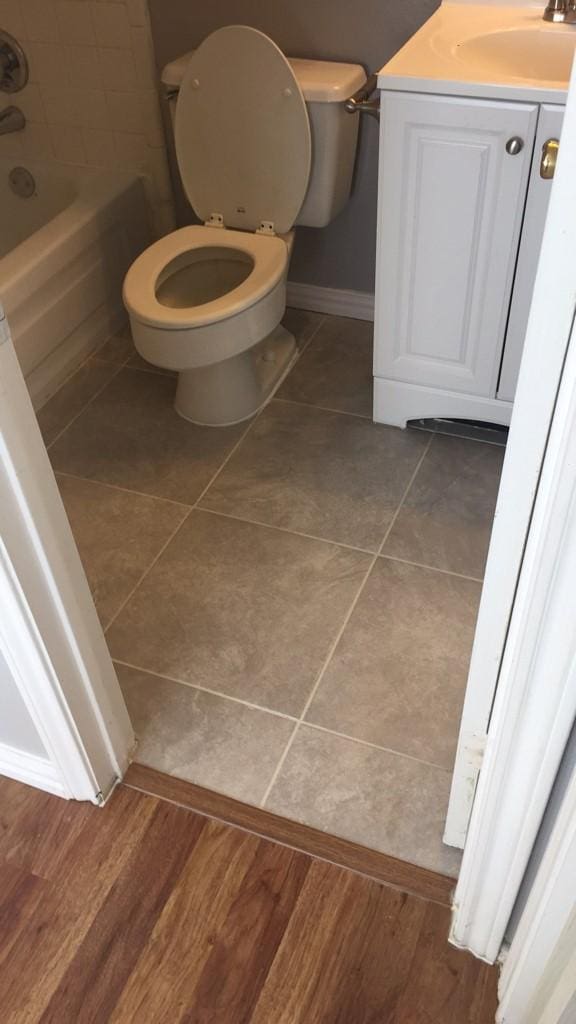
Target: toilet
x,y
263,143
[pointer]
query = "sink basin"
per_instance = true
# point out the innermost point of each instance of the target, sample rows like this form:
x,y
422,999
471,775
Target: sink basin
x,y
539,54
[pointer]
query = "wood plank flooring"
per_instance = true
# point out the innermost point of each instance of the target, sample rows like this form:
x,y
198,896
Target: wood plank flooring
x,y
146,912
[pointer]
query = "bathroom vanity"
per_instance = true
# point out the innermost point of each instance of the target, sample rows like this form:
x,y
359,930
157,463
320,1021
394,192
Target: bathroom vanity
x,y
471,115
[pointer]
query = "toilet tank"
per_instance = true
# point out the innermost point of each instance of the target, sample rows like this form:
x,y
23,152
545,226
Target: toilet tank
x,y
326,85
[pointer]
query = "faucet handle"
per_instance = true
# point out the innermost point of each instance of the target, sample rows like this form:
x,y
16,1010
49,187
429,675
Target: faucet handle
x,y
556,10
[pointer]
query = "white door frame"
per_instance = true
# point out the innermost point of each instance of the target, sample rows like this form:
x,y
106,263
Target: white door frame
x,y
535,703
544,353
50,635
538,980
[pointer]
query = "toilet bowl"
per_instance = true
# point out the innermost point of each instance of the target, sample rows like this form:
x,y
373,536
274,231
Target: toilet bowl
x,y
208,304
207,300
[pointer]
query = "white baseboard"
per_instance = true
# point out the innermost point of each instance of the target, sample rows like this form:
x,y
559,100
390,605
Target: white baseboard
x,y
31,769
338,301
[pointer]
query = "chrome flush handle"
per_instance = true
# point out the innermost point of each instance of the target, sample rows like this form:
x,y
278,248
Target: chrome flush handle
x,y
360,102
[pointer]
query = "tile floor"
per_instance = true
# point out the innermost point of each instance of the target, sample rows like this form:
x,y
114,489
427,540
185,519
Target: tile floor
x,y
291,602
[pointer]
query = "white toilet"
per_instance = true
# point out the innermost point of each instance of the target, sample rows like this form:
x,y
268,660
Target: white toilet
x,y
262,143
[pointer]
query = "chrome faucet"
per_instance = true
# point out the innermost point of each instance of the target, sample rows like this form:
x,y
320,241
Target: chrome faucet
x,y
563,11
11,120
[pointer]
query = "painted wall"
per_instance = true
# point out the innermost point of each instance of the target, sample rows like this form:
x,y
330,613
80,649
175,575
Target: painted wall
x,y
16,727
367,32
92,96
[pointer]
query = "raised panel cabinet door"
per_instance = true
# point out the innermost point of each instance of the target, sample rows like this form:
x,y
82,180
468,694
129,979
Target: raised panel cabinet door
x,y
549,129
451,198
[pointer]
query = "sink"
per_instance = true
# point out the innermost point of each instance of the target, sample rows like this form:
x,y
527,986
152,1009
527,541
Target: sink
x,y
525,53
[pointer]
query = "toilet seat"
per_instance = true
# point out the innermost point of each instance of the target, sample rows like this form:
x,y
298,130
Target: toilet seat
x,y
269,254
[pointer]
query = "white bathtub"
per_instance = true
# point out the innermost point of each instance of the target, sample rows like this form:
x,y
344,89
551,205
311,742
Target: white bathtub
x,y
63,256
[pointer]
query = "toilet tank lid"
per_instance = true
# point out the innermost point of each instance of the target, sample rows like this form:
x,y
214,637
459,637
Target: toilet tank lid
x,y
321,81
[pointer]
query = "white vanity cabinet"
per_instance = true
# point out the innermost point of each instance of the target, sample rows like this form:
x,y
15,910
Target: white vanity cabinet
x,y
461,215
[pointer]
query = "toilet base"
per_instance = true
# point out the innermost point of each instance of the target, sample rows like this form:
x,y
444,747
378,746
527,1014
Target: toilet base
x,y
232,391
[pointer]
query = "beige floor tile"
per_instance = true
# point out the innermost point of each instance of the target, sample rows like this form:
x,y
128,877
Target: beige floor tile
x,y
131,436
240,609
398,675
118,536
118,348
303,324
317,472
209,740
335,372
447,517
71,398
381,800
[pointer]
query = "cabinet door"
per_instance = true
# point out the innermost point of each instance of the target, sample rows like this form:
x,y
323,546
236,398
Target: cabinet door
x,y
450,208
549,127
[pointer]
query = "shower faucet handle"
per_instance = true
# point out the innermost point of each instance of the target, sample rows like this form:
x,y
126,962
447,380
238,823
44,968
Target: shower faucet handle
x,y
13,64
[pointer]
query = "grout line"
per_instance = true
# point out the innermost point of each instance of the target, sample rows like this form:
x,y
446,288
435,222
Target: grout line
x,y
328,408
124,490
205,689
283,529
89,402
376,746
143,576
321,322
190,509
341,631
432,568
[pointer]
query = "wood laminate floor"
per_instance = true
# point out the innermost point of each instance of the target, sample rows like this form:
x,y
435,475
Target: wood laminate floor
x,y
146,912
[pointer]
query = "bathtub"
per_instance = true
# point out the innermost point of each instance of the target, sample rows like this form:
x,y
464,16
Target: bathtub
x,y
64,252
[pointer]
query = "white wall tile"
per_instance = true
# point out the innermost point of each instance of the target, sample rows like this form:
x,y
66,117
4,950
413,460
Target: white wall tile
x,y
36,142
125,111
89,108
84,67
58,104
131,151
118,70
137,12
11,18
93,92
146,73
48,64
11,145
75,23
111,24
29,100
68,144
40,24
99,147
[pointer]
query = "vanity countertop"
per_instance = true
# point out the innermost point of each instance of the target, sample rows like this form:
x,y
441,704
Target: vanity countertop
x,y
488,51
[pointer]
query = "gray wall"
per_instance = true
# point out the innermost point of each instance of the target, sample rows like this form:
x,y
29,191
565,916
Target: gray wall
x,y
365,32
16,727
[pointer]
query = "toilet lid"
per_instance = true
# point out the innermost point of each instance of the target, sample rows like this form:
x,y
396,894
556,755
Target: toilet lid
x,y
242,132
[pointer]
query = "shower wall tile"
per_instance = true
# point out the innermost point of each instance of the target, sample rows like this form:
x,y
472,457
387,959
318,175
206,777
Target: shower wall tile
x,y
92,99
11,17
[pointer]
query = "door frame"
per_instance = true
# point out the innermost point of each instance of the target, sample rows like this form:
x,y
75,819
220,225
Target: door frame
x,y
50,635
537,984
546,344
535,702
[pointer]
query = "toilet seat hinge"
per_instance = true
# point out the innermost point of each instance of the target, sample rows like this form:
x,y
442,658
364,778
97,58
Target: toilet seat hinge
x,y
215,220
266,228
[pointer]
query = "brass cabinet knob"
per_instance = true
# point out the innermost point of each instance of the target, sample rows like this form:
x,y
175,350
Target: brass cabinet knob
x,y
549,158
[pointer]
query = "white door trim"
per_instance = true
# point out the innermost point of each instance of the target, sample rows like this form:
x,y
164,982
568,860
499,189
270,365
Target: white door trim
x,y
548,332
538,980
535,702
50,635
